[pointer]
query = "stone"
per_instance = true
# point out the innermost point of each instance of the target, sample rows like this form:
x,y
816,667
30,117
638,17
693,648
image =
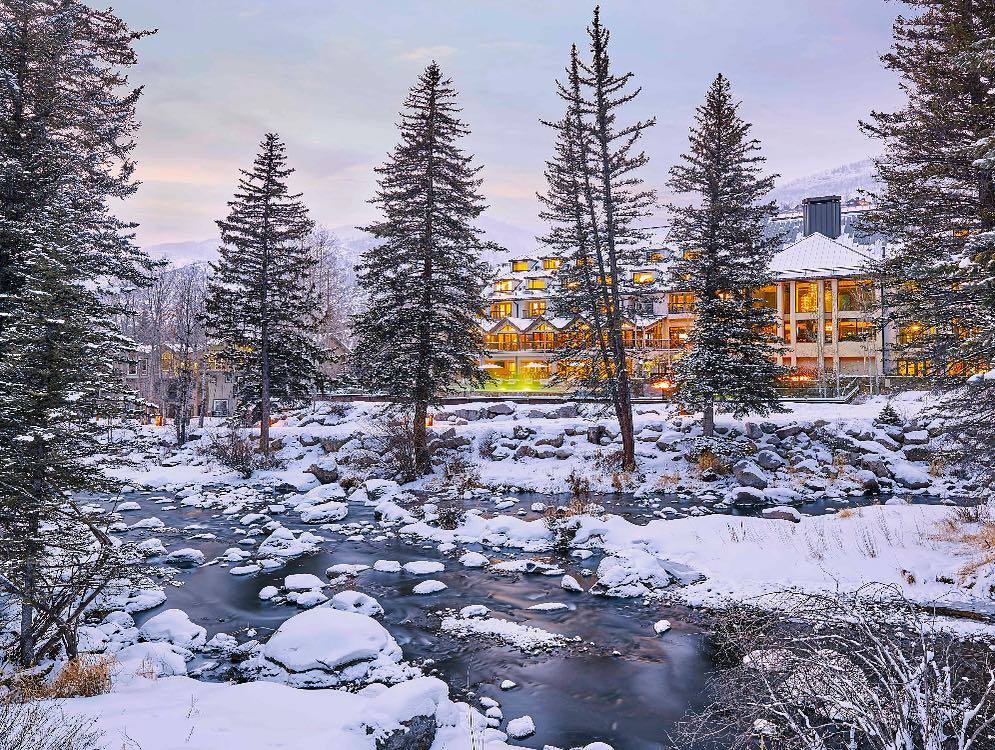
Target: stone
x,y
918,452
521,727
570,583
868,481
568,411
916,437
753,431
555,442
746,496
875,465
596,434
749,474
503,408
661,626
564,453
787,431
782,513
768,459
325,472
418,733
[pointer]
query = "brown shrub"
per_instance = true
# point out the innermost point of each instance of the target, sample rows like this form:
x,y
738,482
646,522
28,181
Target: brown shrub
x,y
82,677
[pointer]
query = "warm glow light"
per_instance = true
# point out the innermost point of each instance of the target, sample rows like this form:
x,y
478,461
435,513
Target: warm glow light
x,y
642,277
662,385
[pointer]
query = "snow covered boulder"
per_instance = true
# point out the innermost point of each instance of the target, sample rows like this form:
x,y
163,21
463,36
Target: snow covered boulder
x,y
473,560
150,548
746,496
782,513
185,558
749,474
768,459
423,567
325,512
868,481
173,626
521,727
910,476
151,660
356,601
631,573
302,582
430,586
283,543
325,647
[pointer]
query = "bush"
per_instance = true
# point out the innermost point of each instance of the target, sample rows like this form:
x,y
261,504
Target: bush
x,y
460,473
82,677
393,435
451,513
888,417
34,725
235,450
717,453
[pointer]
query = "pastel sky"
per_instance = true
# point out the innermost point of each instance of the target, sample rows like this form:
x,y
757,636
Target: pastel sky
x,y
329,76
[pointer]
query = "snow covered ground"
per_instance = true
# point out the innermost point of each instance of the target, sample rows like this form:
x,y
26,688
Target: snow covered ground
x,y
683,546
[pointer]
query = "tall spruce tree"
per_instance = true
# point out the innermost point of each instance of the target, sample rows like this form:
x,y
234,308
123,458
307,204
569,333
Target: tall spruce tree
x,y
418,336
723,256
937,207
67,122
262,305
595,203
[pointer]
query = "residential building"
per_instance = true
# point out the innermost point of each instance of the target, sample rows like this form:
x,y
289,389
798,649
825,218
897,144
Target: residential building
x,y
825,300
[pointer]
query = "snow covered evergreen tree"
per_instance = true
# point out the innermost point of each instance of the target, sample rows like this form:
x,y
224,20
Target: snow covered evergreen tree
x,y
723,258
418,337
262,305
67,121
595,202
937,206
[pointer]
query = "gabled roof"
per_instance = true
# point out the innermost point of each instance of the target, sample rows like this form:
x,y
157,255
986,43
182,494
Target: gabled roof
x,y
817,256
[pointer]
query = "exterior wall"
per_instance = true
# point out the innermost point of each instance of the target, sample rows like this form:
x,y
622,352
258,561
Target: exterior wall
x,y
824,340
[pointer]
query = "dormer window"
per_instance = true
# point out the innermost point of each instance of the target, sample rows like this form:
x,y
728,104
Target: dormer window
x,y
519,265
503,285
536,283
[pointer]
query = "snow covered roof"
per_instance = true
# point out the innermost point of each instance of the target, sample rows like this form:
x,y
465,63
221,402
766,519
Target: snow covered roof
x,y
817,256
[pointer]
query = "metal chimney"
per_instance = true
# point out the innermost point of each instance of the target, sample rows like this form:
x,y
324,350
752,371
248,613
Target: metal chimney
x,y
823,215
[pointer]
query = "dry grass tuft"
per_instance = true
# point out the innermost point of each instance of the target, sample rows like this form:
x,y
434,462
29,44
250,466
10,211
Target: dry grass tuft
x,y
82,677
975,529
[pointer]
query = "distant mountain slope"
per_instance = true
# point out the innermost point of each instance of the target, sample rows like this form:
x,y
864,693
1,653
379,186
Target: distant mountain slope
x,y
846,181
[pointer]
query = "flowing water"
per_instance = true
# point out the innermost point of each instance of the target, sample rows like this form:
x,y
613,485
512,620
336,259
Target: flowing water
x,y
621,683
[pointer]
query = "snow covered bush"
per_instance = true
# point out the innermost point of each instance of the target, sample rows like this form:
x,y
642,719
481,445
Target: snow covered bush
x,y
42,725
235,450
889,417
393,435
862,670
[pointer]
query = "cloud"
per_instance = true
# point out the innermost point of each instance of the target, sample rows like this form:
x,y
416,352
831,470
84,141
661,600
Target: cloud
x,y
424,54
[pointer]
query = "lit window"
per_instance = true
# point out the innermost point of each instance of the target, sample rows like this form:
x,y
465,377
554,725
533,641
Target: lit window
x,y
585,261
806,297
537,283
655,257
766,297
681,302
551,264
504,285
535,309
501,310
519,265
806,333
678,337
642,277
854,330
855,295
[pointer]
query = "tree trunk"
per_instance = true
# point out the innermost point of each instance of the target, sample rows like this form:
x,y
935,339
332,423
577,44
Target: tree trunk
x,y
264,406
708,419
419,432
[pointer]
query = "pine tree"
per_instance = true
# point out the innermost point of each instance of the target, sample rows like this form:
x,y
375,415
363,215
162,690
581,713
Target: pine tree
x,y
262,305
595,202
723,257
67,123
937,206
418,336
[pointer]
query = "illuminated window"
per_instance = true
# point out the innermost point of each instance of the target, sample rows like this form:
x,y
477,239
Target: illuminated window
x,y
855,295
551,264
584,261
806,332
910,368
827,334
642,277
519,265
827,297
504,285
535,309
655,257
854,330
678,337
806,297
501,310
766,297
537,283
680,302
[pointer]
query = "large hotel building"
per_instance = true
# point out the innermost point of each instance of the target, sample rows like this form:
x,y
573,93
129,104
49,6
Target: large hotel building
x,y
826,300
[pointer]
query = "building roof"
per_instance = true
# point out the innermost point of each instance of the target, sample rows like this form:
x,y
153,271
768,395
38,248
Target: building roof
x,y
817,256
